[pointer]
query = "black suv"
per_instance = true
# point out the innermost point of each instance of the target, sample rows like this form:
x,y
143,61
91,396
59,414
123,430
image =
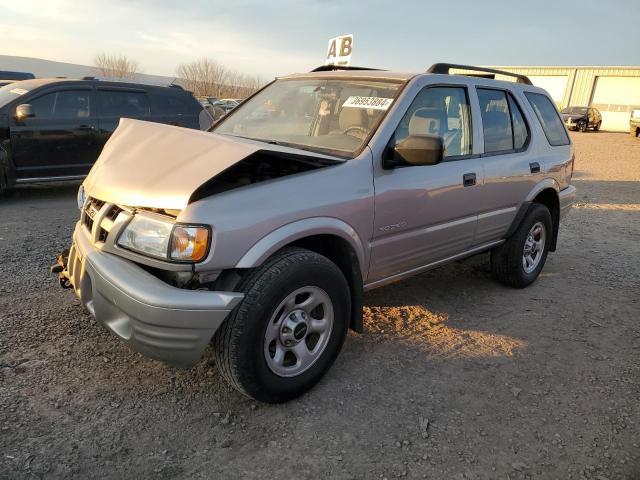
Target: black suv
x,y
7,77
54,129
581,118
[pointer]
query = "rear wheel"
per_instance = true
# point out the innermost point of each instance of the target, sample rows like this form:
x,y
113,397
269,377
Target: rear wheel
x,y
519,260
582,126
289,328
597,126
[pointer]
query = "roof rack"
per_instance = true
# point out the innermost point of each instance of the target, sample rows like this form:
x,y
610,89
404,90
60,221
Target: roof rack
x,y
331,68
445,67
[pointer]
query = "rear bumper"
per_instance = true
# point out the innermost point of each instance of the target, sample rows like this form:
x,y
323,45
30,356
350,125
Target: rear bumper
x,y
567,197
160,321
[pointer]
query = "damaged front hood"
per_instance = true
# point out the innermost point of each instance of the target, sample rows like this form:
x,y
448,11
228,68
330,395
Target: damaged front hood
x,y
153,165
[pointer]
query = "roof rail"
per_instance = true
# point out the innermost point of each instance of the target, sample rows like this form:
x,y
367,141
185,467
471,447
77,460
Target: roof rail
x,y
445,67
331,68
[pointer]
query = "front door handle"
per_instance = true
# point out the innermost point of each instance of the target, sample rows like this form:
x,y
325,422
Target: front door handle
x,y
86,127
534,167
469,179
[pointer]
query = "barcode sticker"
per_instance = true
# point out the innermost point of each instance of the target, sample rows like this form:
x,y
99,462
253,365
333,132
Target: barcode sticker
x,y
375,103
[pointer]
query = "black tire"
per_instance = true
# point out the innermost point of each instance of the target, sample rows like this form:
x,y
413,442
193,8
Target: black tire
x,y
506,260
597,126
239,342
582,127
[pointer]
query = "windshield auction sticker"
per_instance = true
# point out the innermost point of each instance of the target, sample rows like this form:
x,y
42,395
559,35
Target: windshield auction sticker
x,y
18,91
375,103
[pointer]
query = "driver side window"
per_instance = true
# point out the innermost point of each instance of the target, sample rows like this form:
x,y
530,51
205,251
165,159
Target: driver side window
x,y
440,111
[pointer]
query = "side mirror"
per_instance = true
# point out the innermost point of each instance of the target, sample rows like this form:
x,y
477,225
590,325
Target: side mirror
x,y
415,150
24,111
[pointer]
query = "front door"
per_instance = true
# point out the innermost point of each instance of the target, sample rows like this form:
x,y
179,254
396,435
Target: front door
x,y
424,214
60,140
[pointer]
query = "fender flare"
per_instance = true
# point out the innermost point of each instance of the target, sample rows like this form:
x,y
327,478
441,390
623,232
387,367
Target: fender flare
x,y
542,185
546,184
299,229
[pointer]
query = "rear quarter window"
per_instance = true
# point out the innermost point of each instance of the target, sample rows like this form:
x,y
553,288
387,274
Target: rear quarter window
x,y
175,104
549,118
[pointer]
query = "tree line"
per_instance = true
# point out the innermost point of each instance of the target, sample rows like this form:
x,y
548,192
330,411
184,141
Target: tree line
x,y
204,77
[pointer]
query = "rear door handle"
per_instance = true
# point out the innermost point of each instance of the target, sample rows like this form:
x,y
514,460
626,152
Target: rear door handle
x,y
534,167
86,127
469,179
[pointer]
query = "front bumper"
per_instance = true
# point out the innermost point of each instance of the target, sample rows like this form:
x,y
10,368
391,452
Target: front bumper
x,y
160,321
566,197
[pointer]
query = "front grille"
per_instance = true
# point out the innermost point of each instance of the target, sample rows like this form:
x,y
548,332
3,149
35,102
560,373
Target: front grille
x,y
113,213
102,235
92,210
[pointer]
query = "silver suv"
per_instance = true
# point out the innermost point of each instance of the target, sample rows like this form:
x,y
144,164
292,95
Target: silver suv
x,y
262,235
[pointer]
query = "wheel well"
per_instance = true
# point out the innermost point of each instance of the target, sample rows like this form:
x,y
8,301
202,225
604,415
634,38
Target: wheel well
x,y
344,256
549,198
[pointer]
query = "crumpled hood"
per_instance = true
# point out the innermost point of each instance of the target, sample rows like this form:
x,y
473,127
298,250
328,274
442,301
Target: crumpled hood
x,y
147,164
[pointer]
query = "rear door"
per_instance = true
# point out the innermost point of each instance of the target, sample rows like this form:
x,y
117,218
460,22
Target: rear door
x,y
115,103
424,214
510,173
60,140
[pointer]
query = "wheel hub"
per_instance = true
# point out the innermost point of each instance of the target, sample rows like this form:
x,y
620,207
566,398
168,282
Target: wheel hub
x,y
294,328
298,331
533,247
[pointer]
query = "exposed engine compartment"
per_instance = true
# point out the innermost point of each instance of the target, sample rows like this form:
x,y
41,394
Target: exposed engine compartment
x,y
258,167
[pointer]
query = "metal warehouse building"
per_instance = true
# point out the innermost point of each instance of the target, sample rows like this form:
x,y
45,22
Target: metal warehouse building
x,y
615,91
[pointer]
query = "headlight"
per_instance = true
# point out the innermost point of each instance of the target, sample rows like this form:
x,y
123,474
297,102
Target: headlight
x,y
155,237
81,197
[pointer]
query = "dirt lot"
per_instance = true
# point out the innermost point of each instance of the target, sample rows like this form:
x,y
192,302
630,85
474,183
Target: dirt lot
x,y
456,376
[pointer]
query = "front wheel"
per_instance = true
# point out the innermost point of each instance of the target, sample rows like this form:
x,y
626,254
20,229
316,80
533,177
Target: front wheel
x,y
519,260
582,127
288,330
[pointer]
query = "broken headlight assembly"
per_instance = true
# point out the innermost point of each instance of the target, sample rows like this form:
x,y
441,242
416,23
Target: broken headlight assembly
x,y
155,237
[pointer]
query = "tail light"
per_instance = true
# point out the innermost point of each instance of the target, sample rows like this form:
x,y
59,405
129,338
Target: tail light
x,y
573,161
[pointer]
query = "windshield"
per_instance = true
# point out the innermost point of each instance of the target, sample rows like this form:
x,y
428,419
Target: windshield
x,y
10,92
575,110
324,115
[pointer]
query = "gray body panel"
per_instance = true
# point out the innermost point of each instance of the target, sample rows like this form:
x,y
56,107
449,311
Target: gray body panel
x,y
399,222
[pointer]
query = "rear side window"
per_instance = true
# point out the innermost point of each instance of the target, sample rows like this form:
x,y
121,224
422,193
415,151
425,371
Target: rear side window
x,y
549,118
520,130
173,104
503,124
116,103
496,120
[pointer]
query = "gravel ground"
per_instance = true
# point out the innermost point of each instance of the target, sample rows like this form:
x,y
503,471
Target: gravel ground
x,y
456,377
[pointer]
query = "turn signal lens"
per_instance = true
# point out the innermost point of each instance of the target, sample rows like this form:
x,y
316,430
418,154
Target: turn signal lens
x,y
189,244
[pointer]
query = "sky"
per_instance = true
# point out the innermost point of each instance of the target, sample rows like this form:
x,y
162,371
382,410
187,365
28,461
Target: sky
x,y
284,36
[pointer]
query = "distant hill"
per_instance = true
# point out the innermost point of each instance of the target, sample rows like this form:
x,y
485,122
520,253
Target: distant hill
x,y
48,68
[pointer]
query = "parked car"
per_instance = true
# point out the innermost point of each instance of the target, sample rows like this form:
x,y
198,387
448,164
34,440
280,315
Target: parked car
x,y
634,123
7,77
54,129
581,118
263,234
228,104
213,106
